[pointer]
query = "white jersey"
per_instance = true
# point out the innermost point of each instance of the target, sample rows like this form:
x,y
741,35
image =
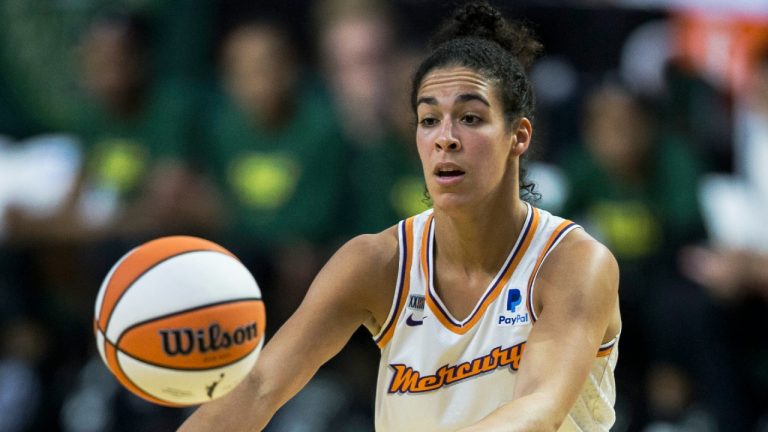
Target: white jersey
x,y
438,373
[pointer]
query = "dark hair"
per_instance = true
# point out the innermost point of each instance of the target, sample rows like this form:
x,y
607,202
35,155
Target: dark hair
x,y
480,38
263,21
134,27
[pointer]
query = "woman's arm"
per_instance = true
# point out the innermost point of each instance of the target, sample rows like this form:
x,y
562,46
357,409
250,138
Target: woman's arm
x,y
355,287
577,296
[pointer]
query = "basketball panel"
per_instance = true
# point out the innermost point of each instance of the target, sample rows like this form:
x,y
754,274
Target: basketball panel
x,y
115,367
186,387
204,338
103,289
140,260
183,282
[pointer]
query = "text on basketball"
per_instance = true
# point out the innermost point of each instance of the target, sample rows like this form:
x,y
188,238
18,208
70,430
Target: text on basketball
x,y
184,341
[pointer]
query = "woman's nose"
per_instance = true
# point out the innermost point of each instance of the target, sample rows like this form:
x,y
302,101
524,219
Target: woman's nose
x,y
447,141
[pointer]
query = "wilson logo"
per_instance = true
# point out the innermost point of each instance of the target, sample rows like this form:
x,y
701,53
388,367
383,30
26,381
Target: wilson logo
x,y
408,380
185,341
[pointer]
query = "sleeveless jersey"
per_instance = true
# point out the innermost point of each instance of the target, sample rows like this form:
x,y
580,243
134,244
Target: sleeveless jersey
x,y
438,373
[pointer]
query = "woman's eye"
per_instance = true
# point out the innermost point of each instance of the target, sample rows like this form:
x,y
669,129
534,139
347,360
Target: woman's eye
x,y
428,121
471,119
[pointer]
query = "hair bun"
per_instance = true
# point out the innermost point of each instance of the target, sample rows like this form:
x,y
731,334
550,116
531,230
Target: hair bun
x,y
481,20
478,19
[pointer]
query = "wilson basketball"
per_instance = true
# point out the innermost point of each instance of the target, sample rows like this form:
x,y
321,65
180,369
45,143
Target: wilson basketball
x,y
179,321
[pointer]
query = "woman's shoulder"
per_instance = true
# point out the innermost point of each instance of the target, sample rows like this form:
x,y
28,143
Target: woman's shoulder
x,y
374,256
366,268
579,242
579,281
581,254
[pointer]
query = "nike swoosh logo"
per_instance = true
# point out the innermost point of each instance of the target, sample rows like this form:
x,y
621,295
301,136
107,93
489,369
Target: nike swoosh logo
x,y
412,322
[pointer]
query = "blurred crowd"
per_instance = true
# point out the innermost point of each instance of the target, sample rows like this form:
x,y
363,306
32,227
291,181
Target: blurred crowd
x,y
281,131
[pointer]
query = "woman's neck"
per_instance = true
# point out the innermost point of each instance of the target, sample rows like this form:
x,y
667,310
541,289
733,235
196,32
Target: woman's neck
x,y
479,238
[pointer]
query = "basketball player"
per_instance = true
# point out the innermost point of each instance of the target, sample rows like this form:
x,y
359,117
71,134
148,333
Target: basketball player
x,y
490,314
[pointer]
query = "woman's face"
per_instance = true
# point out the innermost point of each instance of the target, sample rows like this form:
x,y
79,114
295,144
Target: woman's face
x,y
468,152
112,67
619,134
258,68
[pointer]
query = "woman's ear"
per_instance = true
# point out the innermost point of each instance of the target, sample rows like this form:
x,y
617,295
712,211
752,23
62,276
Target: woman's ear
x,y
521,136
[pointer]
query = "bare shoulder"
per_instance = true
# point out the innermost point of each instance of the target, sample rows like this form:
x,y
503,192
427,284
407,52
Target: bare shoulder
x,y
580,254
373,248
580,277
372,257
365,271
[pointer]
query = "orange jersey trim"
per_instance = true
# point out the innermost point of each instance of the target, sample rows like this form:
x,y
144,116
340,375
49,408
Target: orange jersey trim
x,y
404,281
559,232
528,232
607,348
604,352
564,228
425,244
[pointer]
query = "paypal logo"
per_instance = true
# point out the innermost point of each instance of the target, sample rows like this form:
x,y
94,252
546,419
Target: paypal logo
x,y
516,320
513,299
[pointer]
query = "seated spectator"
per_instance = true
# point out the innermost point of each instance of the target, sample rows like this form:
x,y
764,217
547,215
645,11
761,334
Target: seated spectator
x,y
369,76
134,133
634,188
132,185
733,265
274,151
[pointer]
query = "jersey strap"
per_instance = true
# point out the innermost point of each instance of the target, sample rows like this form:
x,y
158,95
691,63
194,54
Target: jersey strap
x,y
564,228
405,237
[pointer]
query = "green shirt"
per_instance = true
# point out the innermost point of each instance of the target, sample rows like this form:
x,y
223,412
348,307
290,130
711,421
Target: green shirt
x,y
637,220
281,185
39,57
121,151
385,185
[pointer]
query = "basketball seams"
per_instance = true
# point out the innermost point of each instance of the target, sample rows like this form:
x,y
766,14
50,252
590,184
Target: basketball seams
x,y
181,312
148,255
189,368
139,303
103,289
123,375
147,270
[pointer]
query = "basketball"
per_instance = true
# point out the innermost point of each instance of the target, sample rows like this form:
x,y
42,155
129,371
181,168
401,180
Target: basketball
x,y
179,321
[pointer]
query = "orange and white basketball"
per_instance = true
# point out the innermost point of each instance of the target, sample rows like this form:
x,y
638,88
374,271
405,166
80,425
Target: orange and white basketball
x,y
179,321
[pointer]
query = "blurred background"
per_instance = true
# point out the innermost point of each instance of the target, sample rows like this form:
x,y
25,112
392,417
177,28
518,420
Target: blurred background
x,y
282,131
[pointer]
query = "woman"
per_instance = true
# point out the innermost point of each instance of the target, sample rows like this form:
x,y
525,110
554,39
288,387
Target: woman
x,y
455,296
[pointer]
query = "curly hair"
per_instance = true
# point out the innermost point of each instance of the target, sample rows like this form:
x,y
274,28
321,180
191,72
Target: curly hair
x,y
478,37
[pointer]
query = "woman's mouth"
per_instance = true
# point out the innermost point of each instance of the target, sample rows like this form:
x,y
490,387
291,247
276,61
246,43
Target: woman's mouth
x,y
448,173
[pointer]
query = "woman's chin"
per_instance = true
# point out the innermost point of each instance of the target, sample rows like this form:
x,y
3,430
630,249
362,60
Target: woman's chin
x,y
452,202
